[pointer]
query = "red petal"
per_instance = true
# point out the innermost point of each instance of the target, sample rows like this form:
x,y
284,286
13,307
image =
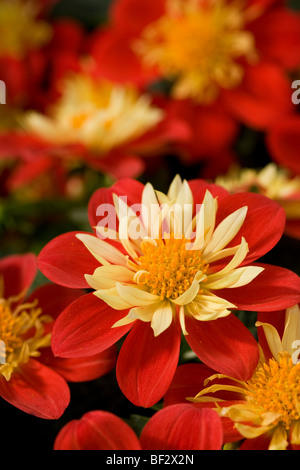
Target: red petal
x,y
67,34
263,226
26,173
129,14
18,272
146,364
65,260
66,439
225,345
205,122
116,61
283,141
53,299
189,380
126,187
292,228
258,443
183,427
85,328
199,188
277,36
37,390
97,430
263,98
274,289
124,164
81,369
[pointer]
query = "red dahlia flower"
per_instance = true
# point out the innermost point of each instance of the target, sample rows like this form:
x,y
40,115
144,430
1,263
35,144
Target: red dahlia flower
x,y
36,52
166,263
235,53
31,378
265,410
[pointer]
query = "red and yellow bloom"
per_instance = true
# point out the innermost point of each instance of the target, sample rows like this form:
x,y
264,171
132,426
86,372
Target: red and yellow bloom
x,y
208,51
266,411
31,378
274,182
157,276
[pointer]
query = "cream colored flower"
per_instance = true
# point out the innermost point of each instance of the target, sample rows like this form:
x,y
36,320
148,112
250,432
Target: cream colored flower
x,y
97,114
167,261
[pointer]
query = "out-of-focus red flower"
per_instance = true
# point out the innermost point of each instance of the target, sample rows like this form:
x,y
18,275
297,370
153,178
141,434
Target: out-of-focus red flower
x,y
236,55
283,143
97,430
31,378
35,52
212,137
272,181
36,164
142,286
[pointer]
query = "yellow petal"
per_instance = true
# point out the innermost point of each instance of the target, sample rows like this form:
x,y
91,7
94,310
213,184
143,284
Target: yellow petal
x,y
101,250
279,439
162,317
135,296
238,257
112,298
237,278
106,277
292,329
188,295
273,338
295,435
226,231
250,432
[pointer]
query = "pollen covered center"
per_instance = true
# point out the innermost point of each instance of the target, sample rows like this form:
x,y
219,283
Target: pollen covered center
x,y
168,267
22,333
20,28
275,387
199,44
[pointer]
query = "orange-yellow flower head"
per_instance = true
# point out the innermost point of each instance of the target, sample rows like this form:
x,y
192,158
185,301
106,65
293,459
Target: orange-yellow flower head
x,y
199,44
31,378
22,334
271,398
165,263
20,28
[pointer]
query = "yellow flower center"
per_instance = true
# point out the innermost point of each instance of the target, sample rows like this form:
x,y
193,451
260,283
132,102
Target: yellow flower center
x,y
167,267
275,387
21,335
20,28
199,45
